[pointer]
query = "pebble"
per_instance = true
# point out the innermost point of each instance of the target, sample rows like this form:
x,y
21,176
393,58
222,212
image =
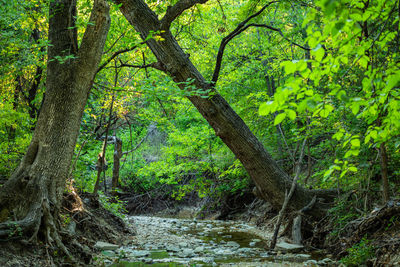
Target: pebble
x,y
311,263
199,249
198,243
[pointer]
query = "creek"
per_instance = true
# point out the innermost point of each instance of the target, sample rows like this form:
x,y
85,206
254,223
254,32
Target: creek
x,y
191,242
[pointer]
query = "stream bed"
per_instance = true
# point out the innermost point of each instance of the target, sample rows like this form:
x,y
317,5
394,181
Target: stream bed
x,y
188,242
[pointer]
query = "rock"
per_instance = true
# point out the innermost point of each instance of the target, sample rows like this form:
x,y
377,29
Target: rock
x,y
244,250
108,253
233,244
326,261
187,252
208,260
283,246
302,256
252,244
224,252
199,249
183,244
139,253
105,246
173,249
148,260
107,262
311,263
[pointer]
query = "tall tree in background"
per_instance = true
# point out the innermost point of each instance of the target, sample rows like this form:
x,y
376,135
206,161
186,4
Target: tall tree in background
x,y
270,180
31,198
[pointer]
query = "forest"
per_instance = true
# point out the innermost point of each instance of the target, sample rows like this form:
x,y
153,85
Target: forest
x,y
132,129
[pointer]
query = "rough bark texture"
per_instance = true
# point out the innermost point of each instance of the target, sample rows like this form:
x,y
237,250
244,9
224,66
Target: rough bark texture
x,y
270,180
31,198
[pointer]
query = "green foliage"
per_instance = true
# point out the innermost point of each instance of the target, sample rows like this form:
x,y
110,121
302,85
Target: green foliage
x,y
341,214
14,137
113,204
15,230
359,253
342,94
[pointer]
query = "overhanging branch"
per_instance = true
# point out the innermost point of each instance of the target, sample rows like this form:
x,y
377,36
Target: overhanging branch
x,y
239,29
280,33
176,10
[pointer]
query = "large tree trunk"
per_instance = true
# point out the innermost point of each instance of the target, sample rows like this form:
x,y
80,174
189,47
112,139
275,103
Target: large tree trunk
x,y
31,198
270,180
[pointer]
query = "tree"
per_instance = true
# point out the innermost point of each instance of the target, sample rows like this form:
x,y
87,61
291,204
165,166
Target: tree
x,y
31,198
270,180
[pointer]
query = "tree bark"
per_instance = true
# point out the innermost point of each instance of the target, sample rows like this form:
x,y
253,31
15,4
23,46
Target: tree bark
x,y
384,173
116,166
270,180
32,196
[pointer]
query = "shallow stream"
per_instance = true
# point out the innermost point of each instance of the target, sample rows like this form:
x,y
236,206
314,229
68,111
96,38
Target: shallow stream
x,y
188,242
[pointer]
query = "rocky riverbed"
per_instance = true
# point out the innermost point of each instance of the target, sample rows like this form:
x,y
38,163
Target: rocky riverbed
x,y
187,242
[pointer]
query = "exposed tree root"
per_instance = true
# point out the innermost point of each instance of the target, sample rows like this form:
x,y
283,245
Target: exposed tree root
x,y
374,222
380,227
44,222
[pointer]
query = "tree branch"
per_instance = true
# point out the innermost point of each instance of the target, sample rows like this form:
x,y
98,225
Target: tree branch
x,y
117,54
94,38
280,33
155,65
240,28
176,10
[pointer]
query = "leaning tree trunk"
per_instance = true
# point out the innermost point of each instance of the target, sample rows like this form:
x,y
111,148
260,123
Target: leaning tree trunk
x,y
270,180
30,200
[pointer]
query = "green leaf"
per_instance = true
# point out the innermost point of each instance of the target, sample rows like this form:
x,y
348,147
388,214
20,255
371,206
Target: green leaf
x,y
311,104
364,61
291,114
327,174
374,134
355,142
355,108
326,111
319,54
290,67
352,169
265,108
338,135
279,118
393,81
